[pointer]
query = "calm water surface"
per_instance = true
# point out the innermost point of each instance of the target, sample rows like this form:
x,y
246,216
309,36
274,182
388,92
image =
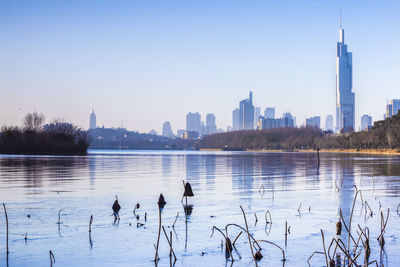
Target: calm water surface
x,y
82,186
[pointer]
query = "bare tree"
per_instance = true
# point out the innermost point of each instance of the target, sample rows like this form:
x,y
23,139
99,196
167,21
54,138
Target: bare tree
x,y
33,121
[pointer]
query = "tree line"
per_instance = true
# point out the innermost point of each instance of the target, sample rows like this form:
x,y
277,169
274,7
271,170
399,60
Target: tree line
x,y
56,138
384,134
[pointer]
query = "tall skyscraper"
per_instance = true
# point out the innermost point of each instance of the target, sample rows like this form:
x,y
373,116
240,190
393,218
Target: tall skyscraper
x,y
246,113
366,122
235,120
329,123
314,122
92,118
344,83
269,113
167,130
211,127
193,122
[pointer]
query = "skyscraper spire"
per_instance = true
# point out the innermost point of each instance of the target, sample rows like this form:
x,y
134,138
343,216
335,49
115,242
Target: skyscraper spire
x,y
341,31
340,19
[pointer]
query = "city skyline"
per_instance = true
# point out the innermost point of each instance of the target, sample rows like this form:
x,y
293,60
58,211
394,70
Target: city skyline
x,y
62,67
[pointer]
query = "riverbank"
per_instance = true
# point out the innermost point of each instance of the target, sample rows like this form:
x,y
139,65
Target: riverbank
x,y
395,152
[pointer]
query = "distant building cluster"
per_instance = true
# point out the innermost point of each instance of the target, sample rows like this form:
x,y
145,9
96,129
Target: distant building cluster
x,y
248,117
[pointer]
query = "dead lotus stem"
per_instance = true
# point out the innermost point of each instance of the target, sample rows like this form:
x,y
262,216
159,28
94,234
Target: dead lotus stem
x,y
286,231
299,208
323,243
312,255
329,249
176,218
169,240
351,218
234,241
383,226
397,210
274,244
234,224
343,249
90,223
5,213
158,236
370,210
227,241
248,236
52,258
255,215
344,223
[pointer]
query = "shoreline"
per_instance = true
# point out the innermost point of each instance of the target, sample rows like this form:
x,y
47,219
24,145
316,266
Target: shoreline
x,y
395,152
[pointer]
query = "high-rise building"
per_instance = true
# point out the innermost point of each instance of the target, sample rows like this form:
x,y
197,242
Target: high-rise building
x,y
392,108
193,122
211,127
344,83
366,122
167,130
314,122
269,113
329,123
246,113
92,118
257,114
288,120
395,106
235,120
389,110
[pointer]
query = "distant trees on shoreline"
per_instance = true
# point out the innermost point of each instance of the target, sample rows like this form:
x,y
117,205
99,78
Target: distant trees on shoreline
x,y
383,135
55,138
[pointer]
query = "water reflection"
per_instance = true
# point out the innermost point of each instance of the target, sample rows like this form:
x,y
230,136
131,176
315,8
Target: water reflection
x,y
221,182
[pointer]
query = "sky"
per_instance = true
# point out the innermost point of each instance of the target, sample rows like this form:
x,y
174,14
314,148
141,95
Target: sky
x,y
141,63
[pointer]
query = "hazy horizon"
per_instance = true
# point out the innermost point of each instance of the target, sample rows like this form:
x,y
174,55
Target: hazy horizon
x,y
146,63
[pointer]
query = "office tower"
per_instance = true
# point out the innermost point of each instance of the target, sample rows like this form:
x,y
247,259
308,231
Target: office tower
x,y
329,123
257,114
193,122
366,122
92,118
314,122
389,110
344,83
167,130
246,113
392,108
211,127
288,120
235,120
269,113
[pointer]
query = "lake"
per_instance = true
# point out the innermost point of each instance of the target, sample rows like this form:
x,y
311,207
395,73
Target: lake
x,y
289,185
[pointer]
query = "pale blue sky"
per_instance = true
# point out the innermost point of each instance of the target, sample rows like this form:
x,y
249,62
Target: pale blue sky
x,y
145,62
